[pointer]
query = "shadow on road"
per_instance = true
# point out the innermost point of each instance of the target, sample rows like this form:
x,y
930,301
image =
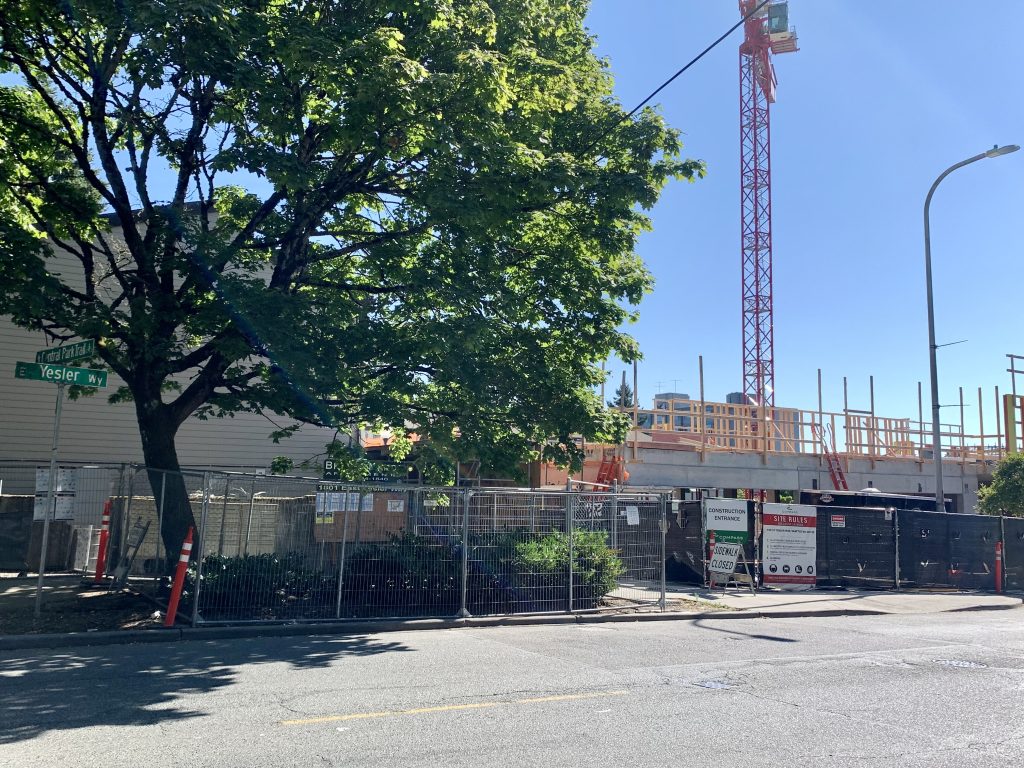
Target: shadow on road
x,y
702,623
59,690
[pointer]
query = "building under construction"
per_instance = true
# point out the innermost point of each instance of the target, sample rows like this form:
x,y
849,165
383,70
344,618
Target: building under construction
x,y
694,444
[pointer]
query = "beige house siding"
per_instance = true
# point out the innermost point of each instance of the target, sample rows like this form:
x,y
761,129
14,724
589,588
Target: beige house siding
x,y
92,430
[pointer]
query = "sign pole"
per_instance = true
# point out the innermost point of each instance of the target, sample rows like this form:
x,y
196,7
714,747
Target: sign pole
x,y
50,501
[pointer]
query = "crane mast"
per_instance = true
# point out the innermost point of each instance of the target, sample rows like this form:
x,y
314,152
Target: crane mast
x,y
766,32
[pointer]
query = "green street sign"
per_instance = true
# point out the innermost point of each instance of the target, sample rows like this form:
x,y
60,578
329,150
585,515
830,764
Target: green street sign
x,y
60,374
80,350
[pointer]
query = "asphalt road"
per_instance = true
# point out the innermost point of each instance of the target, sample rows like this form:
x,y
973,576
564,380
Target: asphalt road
x,y
932,690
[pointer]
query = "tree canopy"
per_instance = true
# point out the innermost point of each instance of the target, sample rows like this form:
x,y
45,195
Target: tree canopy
x,y
348,211
1005,494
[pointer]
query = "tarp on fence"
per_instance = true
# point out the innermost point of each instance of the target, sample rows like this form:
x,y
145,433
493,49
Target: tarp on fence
x,y
948,550
1013,552
856,548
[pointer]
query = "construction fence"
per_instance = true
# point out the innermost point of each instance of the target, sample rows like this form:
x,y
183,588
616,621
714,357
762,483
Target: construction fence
x,y
875,548
271,548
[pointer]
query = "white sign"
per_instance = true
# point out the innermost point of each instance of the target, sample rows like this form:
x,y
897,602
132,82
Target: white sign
x,y
790,535
723,559
64,494
66,480
396,505
632,515
65,506
727,518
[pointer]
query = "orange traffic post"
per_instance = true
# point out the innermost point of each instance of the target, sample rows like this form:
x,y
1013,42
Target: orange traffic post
x,y
999,566
101,553
179,580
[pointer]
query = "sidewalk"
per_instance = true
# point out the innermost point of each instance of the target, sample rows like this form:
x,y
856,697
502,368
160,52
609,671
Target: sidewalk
x,y
815,602
681,600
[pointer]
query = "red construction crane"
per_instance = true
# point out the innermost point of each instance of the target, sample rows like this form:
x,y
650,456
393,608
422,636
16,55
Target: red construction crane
x,y
766,32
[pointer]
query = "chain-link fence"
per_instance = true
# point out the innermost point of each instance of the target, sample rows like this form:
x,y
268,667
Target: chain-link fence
x,y
288,551
82,491
270,548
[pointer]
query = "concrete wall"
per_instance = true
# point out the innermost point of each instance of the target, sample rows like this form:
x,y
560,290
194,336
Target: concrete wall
x,y
790,472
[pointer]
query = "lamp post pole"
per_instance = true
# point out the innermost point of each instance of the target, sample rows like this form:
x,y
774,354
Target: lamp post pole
x,y
940,503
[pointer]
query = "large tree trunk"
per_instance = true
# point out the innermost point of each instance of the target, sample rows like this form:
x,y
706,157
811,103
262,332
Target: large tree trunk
x,y
165,478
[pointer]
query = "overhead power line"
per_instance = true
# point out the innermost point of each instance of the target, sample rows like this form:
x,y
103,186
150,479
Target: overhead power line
x,y
668,82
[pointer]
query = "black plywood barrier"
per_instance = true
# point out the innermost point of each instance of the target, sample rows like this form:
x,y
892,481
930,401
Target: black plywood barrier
x,y
924,549
973,551
944,550
684,542
856,548
684,558
1013,552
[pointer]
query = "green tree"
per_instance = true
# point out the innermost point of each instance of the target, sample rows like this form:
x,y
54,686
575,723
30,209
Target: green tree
x,y
623,397
344,211
1005,494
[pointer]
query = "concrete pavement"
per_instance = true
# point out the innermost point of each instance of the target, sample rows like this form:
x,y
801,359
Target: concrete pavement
x,y
812,602
927,690
720,605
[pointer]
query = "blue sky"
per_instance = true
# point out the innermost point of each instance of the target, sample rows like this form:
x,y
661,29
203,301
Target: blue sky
x,y
880,99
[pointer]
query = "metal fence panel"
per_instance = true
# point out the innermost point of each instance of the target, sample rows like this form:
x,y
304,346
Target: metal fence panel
x,y
74,520
401,553
635,525
519,552
386,551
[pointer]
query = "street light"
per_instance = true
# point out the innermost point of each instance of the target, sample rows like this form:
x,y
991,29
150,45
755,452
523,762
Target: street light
x,y
996,151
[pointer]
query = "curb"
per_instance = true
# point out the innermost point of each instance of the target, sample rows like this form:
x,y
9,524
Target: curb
x,y
373,626
69,639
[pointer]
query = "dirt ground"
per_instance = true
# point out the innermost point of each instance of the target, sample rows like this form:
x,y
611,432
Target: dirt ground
x,y
70,607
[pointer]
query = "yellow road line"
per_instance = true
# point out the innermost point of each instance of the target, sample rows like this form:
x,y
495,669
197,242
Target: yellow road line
x,y
451,708
367,715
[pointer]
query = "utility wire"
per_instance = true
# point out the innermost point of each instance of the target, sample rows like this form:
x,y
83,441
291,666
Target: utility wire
x,y
668,82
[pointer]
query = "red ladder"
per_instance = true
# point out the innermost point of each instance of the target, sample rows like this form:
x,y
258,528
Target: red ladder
x,y
610,469
828,449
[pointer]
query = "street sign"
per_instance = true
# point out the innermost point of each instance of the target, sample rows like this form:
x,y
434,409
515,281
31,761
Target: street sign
x,y
68,353
60,374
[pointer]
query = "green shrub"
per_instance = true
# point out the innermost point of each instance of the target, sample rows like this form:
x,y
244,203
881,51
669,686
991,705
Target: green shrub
x,y
266,585
411,575
595,566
